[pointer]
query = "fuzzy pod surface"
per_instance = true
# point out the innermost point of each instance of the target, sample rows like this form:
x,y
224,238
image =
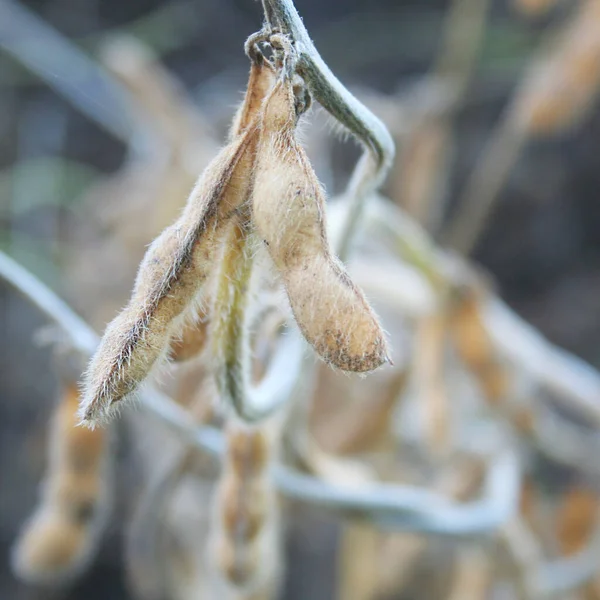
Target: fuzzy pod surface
x,y
174,269
288,210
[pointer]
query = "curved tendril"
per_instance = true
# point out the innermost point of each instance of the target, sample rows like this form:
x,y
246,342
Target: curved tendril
x,y
251,403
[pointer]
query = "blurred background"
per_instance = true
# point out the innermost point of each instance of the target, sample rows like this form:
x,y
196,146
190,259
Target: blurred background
x,y
109,109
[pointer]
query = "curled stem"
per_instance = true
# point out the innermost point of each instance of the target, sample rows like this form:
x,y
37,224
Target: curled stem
x,y
403,507
229,332
230,337
575,383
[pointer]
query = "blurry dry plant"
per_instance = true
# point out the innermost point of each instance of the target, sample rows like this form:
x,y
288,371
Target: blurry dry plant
x,y
447,439
64,532
556,93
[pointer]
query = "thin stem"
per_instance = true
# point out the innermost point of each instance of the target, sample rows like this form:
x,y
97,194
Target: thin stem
x,y
401,507
497,504
65,68
82,337
476,204
343,106
463,33
230,337
464,29
576,383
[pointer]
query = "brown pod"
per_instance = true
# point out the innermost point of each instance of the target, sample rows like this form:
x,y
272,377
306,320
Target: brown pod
x,y
429,380
244,506
51,548
168,281
174,269
245,534
289,214
193,338
61,537
248,451
470,336
75,449
176,265
576,518
260,82
245,493
563,85
475,347
240,566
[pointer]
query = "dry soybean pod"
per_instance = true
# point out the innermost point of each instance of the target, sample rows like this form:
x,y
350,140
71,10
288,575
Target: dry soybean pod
x,y
474,346
289,215
245,539
229,333
260,82
575,519
193,337
63,534
170,278
245,535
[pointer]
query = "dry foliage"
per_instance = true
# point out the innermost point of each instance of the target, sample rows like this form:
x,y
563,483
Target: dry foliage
x,y
450,434
63,534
